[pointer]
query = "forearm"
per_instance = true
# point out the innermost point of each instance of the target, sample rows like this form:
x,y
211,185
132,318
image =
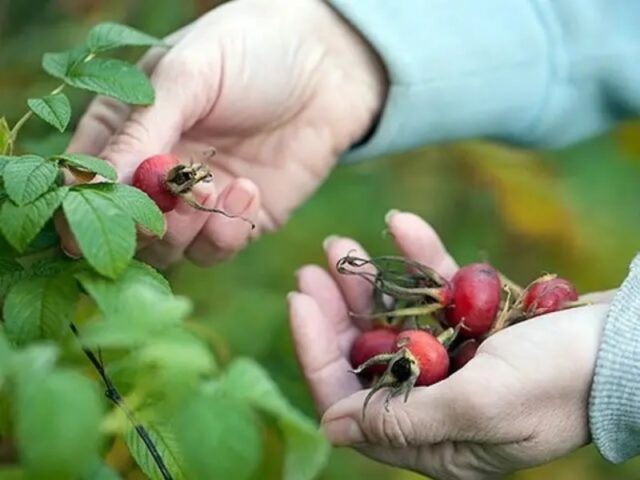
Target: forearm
x,y
530,72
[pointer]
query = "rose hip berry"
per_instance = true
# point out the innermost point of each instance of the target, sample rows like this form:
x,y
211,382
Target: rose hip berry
x,y
370,344
476,299
427,357
463,354
548,294
151,178
166,180
420,359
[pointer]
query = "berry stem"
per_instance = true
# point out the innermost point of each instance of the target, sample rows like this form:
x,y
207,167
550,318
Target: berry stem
x,y
114,395
402,312
515,289
192,202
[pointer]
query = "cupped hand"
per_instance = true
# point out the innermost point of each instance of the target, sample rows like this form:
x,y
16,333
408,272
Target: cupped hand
x,y
279,88
522,401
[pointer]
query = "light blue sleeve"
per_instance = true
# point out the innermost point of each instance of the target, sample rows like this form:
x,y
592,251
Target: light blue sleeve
x,y
539,73
530,72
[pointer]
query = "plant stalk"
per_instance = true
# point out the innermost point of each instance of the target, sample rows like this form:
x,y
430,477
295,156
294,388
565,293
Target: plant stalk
x,y
114,395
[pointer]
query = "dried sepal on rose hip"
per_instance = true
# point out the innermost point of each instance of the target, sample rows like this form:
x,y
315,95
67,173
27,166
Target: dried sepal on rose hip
x,y
404,290
166,180
419,359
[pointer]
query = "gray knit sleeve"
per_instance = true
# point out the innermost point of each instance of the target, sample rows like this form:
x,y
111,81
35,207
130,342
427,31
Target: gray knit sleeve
x,y
614,408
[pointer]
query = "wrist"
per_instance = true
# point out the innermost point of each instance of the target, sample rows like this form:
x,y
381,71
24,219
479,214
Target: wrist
x,y
364,64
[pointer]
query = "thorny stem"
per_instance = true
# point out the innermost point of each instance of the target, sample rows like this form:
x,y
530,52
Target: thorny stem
x,y
114,395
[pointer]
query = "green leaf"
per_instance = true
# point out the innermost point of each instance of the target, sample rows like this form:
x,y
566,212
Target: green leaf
x,y
108,293
58,64
106,235
40,307
58,418
109,35
9,278
4,161
89,163
143,315
21,224
28,177
139,205
35,360
219,437
5,137
9,266
307,449
113,78
164,440
53,109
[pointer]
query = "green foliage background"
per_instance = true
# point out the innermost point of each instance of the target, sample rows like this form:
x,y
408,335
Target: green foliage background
x,y
573,211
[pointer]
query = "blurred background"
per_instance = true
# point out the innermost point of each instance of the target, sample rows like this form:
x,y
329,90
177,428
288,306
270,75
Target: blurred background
x,y
573,211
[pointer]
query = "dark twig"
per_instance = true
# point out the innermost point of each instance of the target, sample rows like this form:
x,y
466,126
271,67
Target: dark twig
x,y
113,394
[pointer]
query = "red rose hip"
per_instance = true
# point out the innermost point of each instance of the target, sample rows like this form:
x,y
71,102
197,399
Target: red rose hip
x,y
369,344
476,299
151,177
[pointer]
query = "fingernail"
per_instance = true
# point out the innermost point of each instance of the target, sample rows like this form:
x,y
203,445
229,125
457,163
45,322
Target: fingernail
x,y
390,214
329,240
343,432
237,200
73,256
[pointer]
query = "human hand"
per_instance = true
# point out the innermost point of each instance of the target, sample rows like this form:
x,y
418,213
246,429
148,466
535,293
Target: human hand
x,y
520,402
279,87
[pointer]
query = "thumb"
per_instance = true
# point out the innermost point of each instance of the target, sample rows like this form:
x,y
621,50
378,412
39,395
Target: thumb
x,y
425,418
183,96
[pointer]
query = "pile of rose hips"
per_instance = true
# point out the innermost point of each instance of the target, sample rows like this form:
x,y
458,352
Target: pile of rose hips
x,y
425,327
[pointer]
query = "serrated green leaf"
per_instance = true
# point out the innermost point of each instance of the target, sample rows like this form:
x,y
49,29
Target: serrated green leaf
x,y
40,307
307,450
109,35
35,360
108,293
4,161
114,78
5,137
106,235
28,177
219,437
58,418
53,109
164,440
9,278
89,163
139,205
142,315
58,64
21,224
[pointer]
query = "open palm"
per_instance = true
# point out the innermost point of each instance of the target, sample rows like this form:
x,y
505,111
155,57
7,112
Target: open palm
x,y
521,401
